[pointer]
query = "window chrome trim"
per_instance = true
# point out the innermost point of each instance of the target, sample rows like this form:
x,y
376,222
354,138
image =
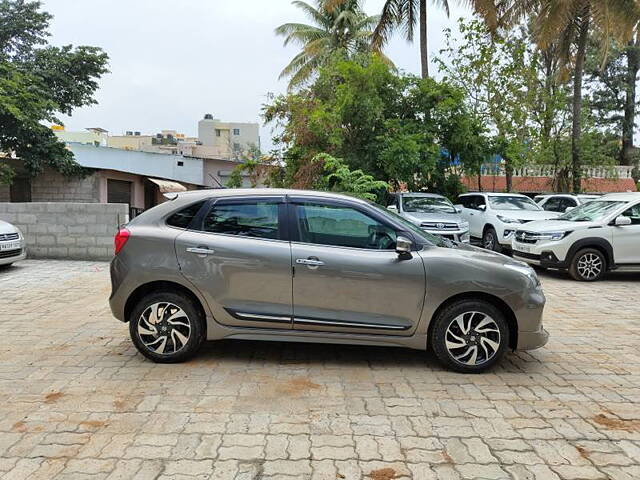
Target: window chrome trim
x,y
259,317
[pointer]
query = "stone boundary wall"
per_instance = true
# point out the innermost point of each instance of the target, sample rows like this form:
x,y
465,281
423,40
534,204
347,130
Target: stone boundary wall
x,y
80,231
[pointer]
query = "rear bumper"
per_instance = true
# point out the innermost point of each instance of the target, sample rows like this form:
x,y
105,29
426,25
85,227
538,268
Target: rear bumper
x,y
532,340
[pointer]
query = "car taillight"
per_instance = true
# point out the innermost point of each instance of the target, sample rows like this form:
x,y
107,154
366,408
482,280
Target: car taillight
x,y
121,238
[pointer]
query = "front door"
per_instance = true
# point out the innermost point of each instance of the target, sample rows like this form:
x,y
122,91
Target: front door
x,y
626,239
348,277
239,258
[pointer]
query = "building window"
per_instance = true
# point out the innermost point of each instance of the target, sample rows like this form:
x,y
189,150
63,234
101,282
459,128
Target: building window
x,y
236,147
118,191
217,132
180,163
20,190
236,131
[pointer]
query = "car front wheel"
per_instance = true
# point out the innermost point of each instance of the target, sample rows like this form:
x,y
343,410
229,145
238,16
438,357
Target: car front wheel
x,y
588,265
490,240
167,327
470,336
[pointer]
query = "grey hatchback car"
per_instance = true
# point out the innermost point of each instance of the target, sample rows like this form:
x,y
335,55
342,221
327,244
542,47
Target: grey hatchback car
x,y
287,265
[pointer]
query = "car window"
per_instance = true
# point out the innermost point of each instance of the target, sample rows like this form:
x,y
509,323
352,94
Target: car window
x,y
508,202
554,204
471,201
259,219
634,214
568,203
182,218
342,227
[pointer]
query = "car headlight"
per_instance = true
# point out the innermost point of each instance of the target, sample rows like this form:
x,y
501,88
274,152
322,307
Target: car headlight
x,y
554,236
508,219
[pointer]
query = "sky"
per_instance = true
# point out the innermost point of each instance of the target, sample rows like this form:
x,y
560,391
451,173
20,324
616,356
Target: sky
x,y
173,61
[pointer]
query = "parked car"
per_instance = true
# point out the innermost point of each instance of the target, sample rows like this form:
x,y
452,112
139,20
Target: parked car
x,y
587,241
494,217
13,248
563,202
433,213
287,265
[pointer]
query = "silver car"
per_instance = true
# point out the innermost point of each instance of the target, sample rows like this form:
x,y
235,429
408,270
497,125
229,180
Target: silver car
x,y
13,247
287,265
433,213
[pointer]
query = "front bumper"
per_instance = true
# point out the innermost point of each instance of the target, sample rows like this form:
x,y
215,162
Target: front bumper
x,y
542,255
13,255
455,235
532,340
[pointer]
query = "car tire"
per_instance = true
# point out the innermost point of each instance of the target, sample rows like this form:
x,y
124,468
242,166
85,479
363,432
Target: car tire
x,y
454,336
490,240
177,317
588,265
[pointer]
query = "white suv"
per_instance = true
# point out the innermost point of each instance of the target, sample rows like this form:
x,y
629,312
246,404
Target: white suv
x,y
494,217
587,241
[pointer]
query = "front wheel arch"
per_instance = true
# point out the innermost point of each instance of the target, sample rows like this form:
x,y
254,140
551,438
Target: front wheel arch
x,y
497,302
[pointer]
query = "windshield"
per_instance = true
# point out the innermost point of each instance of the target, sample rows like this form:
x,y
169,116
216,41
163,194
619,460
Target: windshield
x,y
513,203
427,204
433,239
592,211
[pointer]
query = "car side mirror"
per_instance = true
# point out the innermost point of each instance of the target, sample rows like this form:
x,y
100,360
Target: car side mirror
x,y
403,245
458,210
482,207
568,209
621,221
393,208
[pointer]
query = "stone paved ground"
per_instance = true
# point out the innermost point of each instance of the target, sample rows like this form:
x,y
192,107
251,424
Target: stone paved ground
x,y
76,401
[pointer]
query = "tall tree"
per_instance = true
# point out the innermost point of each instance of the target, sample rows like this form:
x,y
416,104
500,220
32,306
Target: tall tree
x,y
340,27
571,23
404,15
37,82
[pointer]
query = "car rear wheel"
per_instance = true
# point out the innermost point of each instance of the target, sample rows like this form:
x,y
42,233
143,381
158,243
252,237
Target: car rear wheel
x,y
470,336
490,240
167,327
588,265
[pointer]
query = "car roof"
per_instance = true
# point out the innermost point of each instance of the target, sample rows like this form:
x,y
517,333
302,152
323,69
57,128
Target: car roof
x,y
626,197
235,192
495,194
422,194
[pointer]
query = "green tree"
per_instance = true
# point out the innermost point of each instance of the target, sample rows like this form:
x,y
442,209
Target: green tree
x,y
570,24
336,176
37,82
340,27
404,15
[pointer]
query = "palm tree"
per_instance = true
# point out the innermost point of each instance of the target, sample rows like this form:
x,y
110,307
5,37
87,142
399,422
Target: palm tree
x,y
339,26
404,14
570,23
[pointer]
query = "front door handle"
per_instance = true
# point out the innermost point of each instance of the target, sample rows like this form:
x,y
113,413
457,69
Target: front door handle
x,y
201,250
310,262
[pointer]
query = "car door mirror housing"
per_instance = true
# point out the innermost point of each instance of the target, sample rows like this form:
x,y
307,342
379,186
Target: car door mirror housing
x,y
568,209
458,209
393,208
403,245
482,207
622,220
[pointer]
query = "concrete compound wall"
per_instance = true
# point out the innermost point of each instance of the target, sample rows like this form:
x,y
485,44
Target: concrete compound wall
x,y
82,231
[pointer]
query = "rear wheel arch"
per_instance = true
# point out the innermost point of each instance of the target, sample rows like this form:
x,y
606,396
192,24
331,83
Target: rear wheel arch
x,y
481,296
160,286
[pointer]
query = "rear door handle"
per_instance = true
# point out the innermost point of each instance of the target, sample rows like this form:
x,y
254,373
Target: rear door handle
x,y
201,250
310,262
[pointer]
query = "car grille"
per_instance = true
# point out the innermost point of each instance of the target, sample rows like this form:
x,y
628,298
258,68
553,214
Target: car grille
x,y
439,226
8,236
526,237
10,253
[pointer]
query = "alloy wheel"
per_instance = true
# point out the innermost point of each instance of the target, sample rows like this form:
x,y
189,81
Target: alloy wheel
x,y
472,338
489,241
590,266
164,328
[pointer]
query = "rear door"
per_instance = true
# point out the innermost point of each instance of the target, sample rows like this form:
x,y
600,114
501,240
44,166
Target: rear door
x,y
348,277
238,256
